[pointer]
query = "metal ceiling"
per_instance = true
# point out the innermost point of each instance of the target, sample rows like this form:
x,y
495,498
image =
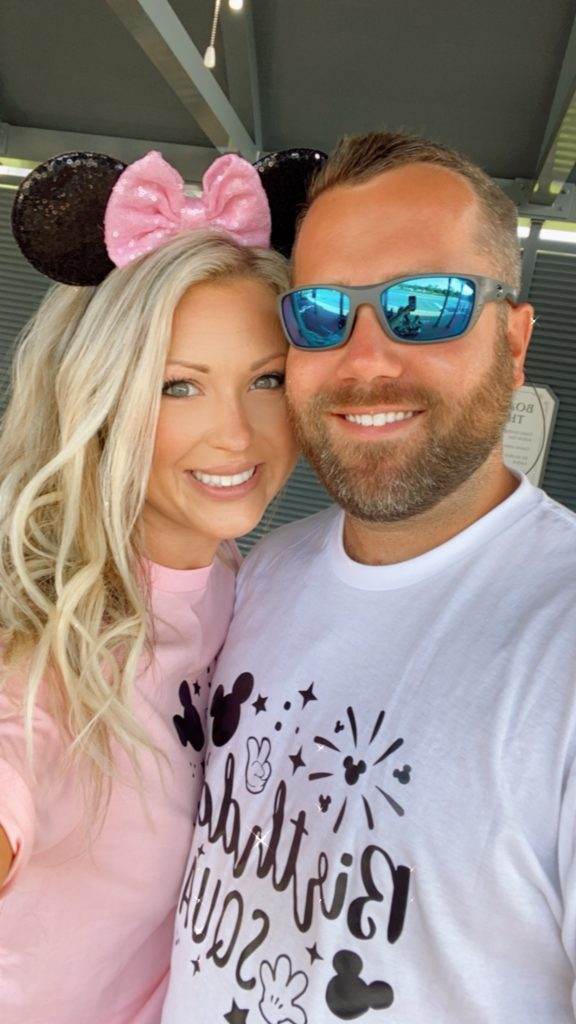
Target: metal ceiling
x,y
122,76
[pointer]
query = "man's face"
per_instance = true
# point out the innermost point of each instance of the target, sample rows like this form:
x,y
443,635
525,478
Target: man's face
x,y
411,220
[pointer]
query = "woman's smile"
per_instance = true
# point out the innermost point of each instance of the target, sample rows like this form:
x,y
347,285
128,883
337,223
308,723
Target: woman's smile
x,y
226,485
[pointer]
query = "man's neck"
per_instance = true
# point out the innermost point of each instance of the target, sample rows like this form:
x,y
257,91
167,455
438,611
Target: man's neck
x,y
389,543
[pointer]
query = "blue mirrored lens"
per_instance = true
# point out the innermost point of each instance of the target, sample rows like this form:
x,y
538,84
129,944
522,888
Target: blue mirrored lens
x,y
316,317
431,308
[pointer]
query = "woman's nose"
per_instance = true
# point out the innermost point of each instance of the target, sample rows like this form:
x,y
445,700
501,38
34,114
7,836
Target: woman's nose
x,y
232,430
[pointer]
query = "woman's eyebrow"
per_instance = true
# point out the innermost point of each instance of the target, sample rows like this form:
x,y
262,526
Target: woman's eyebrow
x,y
267,359
189,366
206,369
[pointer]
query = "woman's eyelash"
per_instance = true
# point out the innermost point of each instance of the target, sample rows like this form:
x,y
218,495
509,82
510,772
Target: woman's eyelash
x,y
276,375
176,380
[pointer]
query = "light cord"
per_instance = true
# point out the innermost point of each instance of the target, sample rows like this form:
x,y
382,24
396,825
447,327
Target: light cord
x,y
210,54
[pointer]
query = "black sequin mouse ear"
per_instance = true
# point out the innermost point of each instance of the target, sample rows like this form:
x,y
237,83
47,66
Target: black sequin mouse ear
x,y
58,216
285,177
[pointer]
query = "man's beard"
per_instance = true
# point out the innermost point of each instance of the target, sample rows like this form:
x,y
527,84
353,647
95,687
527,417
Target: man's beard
x,y
391,480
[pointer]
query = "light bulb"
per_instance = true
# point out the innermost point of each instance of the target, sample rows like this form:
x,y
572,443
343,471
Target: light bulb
x,y
210,57
236,5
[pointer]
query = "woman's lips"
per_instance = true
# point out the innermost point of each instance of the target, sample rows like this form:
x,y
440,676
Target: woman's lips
x,y
225,491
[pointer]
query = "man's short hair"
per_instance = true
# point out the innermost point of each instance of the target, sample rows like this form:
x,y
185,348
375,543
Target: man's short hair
x,y
359,158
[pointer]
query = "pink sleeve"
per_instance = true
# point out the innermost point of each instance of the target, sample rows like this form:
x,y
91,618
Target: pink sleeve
x,y
17,806
17,818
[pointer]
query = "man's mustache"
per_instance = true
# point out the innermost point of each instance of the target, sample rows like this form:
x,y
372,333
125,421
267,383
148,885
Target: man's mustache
x,y
385,393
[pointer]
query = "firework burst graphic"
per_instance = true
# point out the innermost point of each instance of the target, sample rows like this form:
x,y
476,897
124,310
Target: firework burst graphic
x,y
354,763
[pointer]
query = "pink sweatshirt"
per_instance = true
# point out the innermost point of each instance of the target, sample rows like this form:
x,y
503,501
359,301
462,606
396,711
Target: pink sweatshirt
x,y
86,934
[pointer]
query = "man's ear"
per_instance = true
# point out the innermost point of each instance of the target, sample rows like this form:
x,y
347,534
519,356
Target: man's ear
x,y
519,331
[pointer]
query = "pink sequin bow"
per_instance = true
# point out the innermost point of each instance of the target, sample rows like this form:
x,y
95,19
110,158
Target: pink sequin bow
x,y
148,206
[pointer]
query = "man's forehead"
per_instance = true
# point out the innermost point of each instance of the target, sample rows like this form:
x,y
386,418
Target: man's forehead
x,y
421,185
410,215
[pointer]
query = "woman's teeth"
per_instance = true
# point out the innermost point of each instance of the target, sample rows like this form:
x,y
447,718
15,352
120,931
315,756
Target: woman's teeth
x,y
217,480
379,419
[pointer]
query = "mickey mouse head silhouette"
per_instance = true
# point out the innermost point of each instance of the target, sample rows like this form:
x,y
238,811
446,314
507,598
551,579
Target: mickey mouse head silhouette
x,y
225,708
404,775
189,725
352,772
348,996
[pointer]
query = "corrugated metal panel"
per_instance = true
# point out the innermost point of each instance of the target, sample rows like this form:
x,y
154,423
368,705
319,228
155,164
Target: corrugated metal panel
x,y
566,146
302,496
21,290
552,360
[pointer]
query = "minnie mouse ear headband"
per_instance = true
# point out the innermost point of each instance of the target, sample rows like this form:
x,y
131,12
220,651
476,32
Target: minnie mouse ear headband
x,y
286,177
78,215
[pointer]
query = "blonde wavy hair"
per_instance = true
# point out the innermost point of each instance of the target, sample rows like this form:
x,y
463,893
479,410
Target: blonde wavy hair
x,y
75,454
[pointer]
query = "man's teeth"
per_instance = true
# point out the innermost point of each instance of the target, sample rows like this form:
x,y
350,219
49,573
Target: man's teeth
x,y
379,419
217,480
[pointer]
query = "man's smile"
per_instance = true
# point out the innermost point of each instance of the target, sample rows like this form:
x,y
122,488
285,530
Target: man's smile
x,y
376,422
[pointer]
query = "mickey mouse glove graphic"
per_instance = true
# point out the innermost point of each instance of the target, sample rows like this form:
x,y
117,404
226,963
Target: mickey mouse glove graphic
x,y
258,767
280,990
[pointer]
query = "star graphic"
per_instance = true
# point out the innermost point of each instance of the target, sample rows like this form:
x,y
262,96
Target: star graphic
x,y
235,1015
313,952
201,851
196,687
260,703
297,761
307,695
196,966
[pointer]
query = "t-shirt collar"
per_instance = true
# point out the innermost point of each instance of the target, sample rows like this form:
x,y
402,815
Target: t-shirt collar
x,y
178,580
414,570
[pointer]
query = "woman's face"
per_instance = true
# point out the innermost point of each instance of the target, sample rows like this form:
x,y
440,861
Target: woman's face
x,y
223,445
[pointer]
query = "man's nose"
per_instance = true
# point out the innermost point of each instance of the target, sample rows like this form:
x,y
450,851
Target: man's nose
x,y
369,352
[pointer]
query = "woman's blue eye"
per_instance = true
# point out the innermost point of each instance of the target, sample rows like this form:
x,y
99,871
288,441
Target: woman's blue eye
x,y
180,388
269,381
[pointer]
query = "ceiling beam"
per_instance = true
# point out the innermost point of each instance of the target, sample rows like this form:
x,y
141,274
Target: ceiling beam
x,y
241,67
165,41
40,144
529,257
556,159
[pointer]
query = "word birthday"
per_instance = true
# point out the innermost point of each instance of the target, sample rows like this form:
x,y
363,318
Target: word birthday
x,y
207,910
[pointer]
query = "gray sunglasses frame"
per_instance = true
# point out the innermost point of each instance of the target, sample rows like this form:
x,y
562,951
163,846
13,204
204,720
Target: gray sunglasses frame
x,y
486,289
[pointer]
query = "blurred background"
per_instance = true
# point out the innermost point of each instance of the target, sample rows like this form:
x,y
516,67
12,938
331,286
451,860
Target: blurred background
x,y
495,80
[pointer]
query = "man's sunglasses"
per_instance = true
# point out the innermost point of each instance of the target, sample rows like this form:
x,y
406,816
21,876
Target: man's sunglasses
x,y
418,310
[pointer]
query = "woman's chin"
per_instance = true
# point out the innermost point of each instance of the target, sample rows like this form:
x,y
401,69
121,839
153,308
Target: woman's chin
x,y
230,512
235,525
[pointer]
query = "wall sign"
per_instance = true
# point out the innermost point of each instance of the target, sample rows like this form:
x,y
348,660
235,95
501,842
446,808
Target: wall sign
x,y
528,432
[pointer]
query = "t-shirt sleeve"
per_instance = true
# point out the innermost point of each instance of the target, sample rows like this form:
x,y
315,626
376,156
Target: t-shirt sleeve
x,y
17,788
567,869
253,564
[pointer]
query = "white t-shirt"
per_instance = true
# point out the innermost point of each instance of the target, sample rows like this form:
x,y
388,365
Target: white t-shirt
x,y
388,822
